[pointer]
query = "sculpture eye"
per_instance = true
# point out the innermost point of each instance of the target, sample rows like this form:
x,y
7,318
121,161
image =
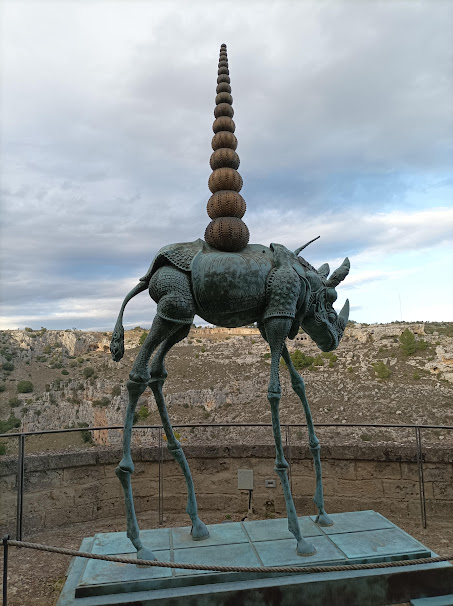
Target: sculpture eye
x,y
331,295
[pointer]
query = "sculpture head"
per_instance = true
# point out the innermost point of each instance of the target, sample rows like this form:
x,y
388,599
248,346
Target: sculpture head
x,y
320,320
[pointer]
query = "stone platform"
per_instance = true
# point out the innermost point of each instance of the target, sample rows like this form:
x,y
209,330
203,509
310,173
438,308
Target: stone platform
x,y
355,538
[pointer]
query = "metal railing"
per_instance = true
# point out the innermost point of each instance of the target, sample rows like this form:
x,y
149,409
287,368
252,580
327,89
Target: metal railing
x,y
21,437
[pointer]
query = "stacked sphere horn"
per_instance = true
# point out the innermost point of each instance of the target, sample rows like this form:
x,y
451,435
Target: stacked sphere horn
x,y
226,206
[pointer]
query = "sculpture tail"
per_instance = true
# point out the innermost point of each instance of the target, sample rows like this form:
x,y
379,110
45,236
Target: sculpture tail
x,y
117,342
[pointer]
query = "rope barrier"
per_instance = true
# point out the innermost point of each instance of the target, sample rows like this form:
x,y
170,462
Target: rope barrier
x,y
214,568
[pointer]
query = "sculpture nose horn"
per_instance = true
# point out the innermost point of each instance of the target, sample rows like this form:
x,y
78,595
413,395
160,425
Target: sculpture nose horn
x,y
226,206
344,313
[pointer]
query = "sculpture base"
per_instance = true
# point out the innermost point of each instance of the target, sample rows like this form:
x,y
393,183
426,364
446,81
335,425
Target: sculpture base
x,y
357,537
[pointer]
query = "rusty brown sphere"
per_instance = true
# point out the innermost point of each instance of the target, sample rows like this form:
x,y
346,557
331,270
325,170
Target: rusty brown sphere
x,y
224,98
225,178
223,87
229,234
224,157
226,203
223,78
224,139
224,123
223,109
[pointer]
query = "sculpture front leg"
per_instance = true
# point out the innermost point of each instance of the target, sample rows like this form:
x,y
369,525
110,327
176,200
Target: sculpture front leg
x,y
299,387
276,330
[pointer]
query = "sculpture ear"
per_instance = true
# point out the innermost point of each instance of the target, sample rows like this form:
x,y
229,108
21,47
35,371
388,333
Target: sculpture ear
x,y
324,270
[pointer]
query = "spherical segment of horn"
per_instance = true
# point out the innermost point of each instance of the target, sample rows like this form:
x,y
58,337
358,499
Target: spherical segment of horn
x,y
229,234
222,63
224,138
224,123
225,203
223,70
223,78
224,98
223,109
224,157
225,178
223,87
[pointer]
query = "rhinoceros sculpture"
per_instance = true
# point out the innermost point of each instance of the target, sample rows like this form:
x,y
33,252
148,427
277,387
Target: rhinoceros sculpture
x,y
230,283
271,286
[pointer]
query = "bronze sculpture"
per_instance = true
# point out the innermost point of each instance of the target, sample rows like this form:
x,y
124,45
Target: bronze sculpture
x,y
230,283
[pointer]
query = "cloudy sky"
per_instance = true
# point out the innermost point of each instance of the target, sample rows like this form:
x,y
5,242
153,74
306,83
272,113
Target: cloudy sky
x,y
344,117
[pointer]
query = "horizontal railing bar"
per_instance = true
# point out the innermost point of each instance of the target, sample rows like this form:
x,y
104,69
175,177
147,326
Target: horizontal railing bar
x,y
350,425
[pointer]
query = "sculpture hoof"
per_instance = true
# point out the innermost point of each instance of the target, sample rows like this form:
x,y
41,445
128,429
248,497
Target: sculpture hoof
x,y
199,531
145,554
323,520
304,548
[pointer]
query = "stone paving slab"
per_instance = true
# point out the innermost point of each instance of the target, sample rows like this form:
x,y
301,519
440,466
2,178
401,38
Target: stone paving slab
x,y
354,538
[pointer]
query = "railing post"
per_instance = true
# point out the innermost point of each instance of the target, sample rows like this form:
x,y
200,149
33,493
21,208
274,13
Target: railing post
x,y
20,487
5,570
160,496
421,479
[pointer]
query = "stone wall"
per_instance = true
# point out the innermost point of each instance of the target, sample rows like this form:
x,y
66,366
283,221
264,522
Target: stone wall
x,y
65,488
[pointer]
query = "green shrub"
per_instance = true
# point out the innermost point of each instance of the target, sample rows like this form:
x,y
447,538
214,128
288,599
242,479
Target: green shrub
x,y
267,355
381,370
64,372
28,329
25,387
143,413
2,387
80,360
2,448
47,349
416,375
409,344
15,401
85,434
8,366
102,403
10,423
203,349
300,360
350,369
366,437
142,338
88,372
318,361
116,391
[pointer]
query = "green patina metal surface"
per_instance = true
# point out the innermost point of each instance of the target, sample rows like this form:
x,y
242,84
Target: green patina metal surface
x,y
356,537
230,283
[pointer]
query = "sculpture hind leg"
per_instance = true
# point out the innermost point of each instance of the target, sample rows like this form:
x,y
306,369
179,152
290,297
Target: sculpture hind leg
x,y
161,329
299,387
158,376
275,333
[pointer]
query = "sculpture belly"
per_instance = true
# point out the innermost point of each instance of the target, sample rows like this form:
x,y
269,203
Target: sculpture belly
x,y
229,288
